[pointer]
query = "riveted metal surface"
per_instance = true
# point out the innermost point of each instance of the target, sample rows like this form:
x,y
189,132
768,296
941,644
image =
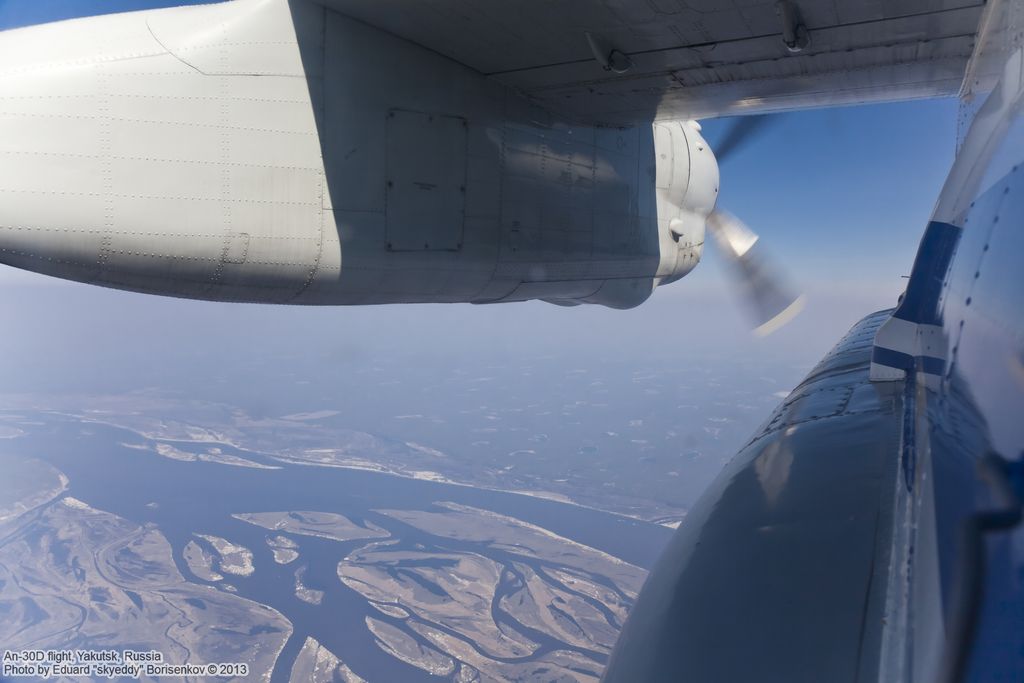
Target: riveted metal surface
x,y
779,572
159,141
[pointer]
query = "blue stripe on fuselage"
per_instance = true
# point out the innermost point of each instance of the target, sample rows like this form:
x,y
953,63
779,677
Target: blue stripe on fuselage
x,y
920,303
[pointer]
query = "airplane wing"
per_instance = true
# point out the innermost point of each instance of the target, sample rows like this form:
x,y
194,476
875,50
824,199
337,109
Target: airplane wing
x,y
456,151
694,59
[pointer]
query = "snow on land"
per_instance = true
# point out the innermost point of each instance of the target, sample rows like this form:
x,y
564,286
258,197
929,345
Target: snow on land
x,y
284,549
93,572
28,485
304,592
316,664
232,558
200,562
311,523
215,455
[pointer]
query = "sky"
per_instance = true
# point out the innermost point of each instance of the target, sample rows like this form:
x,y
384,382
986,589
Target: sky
x,y
839,196
15,13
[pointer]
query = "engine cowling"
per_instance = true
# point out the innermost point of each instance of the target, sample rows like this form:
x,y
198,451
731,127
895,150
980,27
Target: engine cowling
x,y
141,153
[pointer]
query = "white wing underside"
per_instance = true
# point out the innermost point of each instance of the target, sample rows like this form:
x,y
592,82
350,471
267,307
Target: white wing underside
x,y
694,58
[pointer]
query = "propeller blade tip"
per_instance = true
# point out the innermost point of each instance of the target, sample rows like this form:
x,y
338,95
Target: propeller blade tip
x,y
782,318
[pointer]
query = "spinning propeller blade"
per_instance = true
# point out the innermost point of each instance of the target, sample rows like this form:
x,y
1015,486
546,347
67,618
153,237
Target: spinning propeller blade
x,y
764,288
762,285
743,130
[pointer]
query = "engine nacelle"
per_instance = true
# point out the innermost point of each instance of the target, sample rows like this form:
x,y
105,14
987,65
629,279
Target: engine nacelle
x,y
271,152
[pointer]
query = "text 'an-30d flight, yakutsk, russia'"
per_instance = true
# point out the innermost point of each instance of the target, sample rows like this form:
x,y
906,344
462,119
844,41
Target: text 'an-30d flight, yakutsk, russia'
x,y
345,152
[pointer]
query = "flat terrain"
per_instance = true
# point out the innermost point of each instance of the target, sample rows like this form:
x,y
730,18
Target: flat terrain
x,y
117,531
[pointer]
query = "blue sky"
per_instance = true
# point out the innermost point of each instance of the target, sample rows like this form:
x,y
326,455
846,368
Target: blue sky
x,y
15,13
840,196
844,193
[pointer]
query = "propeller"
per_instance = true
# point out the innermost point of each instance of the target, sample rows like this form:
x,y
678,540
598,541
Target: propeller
x,y
741,132
763,286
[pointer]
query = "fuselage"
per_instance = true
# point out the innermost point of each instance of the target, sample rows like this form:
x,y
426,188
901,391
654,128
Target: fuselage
x,y
832,547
